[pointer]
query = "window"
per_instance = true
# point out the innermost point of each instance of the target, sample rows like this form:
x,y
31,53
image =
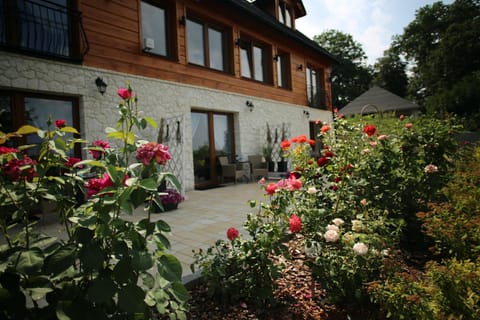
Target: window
x,y
253,61
155,29
283,70
315,89
47,28
284,15
206,45
17,109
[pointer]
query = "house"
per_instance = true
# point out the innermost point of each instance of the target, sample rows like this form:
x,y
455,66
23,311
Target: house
x,y
212,73
377,99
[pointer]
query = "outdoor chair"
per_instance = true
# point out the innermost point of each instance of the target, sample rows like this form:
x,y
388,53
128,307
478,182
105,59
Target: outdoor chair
x,y
229,170
258,166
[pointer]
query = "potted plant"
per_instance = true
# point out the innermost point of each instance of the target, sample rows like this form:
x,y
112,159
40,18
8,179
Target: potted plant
x,y
282,164
268,150
171,199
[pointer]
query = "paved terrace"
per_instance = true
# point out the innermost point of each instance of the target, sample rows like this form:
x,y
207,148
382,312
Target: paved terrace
x,y
199,221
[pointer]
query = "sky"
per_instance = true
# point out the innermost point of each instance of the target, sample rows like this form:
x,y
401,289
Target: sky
x,y
372,23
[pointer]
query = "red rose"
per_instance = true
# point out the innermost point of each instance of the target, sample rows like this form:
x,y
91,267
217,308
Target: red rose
x,y
60,123
328,154
294,139
285,144
302,138
295,223
325,129
17,169
311,142
72,161
232,234
271,188
369,130
408,125
96,154
96,185
402,117
322,161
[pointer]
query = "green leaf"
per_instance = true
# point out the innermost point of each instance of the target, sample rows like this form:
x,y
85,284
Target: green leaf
x,y
27,129
123,272
101,290
28,262
60,260
92,257
125,202
163,226
142,261
163,241
69,129
39,293
115,135
113,173
179,291
170,268
151,122
148,280
148,184
131,299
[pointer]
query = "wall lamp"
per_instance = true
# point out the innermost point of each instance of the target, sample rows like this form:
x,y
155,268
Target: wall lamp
x,y
249,105
300,67
101,85
182,21
276,57
306,113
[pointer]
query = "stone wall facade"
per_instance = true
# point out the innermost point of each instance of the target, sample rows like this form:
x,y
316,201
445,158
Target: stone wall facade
x,y
158,99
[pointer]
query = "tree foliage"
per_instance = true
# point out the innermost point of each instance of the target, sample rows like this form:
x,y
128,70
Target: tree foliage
x,y
351,77
390,72
442,45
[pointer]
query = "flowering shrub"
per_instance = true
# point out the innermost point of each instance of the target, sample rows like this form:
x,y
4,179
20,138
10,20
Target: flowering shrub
x,y
171,196
103,267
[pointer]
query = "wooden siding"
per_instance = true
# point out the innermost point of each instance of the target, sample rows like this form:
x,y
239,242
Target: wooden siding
x,y
113,30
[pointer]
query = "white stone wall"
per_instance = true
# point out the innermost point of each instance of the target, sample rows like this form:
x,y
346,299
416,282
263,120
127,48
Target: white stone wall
x,y
157,99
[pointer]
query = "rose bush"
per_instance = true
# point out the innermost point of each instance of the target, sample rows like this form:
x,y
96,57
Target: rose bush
x,y
103,268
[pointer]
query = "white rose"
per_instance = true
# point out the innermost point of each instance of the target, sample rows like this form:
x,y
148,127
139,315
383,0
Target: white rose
x,y
360,248
331,236
338,221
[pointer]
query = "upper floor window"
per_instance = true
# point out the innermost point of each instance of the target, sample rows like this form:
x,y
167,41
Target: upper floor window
x,y
206,45
48,28
284,15
155,31
254,60
315,88
19,108
283,70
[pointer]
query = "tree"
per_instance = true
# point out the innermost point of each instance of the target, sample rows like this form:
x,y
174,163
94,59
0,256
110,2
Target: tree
x,y
442,45
390,72
351,77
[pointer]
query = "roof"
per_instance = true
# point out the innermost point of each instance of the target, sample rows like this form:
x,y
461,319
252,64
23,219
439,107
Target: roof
x,y
377,99
252,10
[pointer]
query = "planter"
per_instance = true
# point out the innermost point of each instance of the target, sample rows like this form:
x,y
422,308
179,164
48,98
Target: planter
x,y
282,166
170,206
271,166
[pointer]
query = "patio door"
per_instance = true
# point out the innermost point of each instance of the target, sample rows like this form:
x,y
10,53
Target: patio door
x,y
212,136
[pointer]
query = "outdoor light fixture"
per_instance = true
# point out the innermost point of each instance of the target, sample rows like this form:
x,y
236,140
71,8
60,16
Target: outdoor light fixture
x,y
249,105
101,85
276,57
300,67
182,21
306,113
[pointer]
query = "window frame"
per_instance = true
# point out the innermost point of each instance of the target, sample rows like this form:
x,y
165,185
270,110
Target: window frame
x,y
312,99
208,25
249,44
17,105
282,59
283,18
170,29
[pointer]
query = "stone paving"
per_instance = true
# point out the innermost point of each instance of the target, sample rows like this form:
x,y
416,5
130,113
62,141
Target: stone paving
x,y
199,221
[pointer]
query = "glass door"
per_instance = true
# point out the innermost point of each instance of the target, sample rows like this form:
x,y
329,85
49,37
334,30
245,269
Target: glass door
x,y
212,136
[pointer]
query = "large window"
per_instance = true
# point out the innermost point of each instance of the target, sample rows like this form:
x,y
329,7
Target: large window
x,y
50,28
255,61
283,70
206,45
284,15
315,88
155,31
17,109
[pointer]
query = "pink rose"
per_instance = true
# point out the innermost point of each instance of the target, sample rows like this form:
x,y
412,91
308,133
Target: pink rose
x,y
153,150
97,154
271,188
125,93
95,185
71,161
408,125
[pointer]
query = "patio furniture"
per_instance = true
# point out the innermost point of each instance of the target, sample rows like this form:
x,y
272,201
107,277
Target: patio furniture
x,y
229,170
258,166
